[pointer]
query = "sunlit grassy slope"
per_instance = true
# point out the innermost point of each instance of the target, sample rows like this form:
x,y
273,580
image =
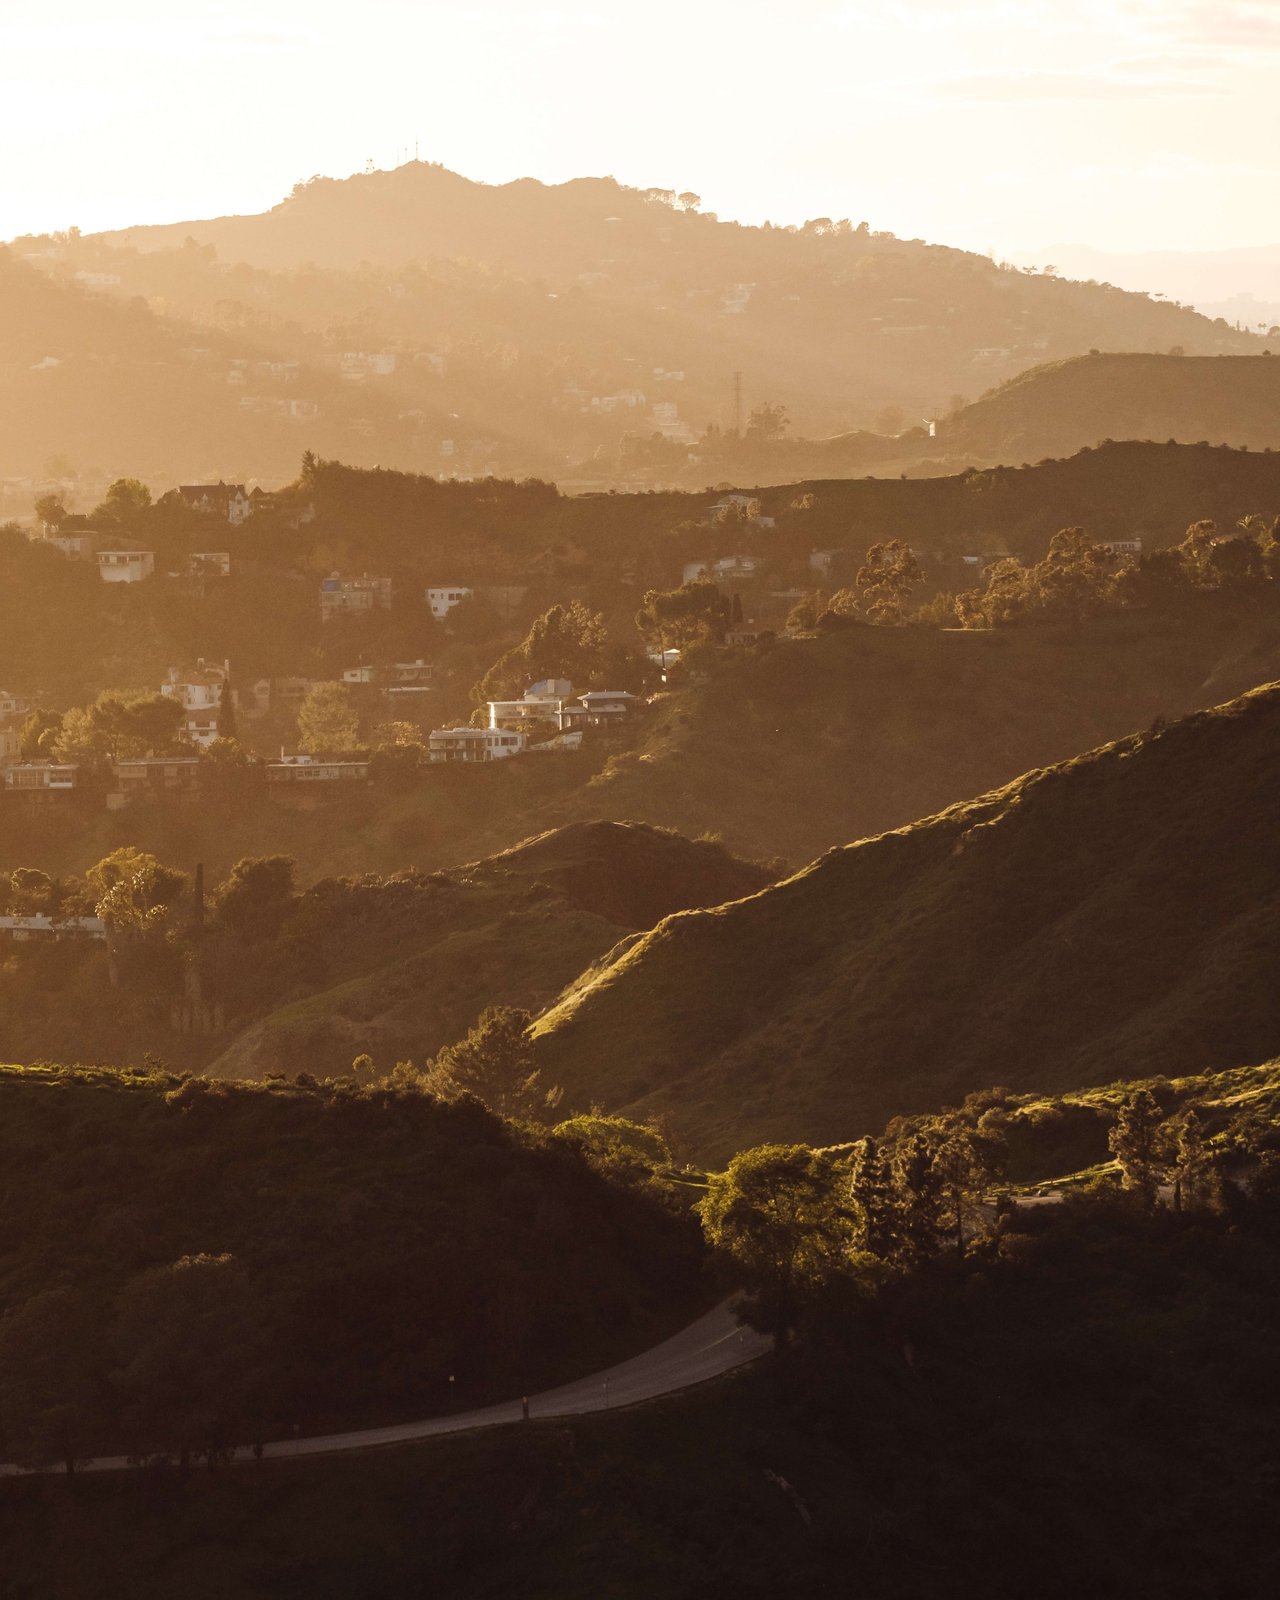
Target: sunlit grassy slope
x,y
1109,917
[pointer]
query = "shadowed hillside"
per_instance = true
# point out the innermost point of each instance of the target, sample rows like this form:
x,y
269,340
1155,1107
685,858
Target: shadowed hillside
x,y
391,967
1057,409
1113,916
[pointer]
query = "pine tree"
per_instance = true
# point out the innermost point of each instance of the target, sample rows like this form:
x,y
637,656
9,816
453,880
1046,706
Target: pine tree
x,y
227,728
1136,1142
875,1205
919,1196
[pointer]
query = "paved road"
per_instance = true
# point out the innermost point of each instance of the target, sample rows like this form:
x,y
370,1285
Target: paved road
x,y
708,1348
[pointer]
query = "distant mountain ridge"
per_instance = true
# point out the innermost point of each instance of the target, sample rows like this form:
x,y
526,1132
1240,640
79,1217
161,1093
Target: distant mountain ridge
x,y
525,327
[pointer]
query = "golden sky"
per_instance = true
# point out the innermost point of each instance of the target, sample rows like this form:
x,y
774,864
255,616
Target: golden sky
x,y
1001,124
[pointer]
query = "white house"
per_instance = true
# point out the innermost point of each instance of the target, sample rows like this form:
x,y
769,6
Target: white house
x,y
604,706
1122,547
443,600
200,695
475,744
545,701
125,566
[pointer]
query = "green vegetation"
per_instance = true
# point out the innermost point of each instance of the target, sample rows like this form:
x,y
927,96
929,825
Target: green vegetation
x,y
1116,911
1080,1403
220,1262
275,978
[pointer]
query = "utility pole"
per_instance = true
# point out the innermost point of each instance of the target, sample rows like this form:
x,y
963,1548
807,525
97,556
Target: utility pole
x,y
737,405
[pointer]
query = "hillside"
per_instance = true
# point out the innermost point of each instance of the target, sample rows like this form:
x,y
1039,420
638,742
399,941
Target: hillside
x,y
215,1263
585,330
1089,1411
391,967
1117,913
105,386
64,635
1057,409
782,751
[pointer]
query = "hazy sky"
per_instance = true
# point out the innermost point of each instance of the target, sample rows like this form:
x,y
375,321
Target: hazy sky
x,y
1002,124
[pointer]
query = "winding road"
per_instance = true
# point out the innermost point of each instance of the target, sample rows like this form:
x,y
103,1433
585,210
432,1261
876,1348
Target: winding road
x,y
706,1349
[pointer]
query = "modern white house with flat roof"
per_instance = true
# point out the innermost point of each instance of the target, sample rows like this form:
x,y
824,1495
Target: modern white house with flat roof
x,y
125,566
442,599
475,744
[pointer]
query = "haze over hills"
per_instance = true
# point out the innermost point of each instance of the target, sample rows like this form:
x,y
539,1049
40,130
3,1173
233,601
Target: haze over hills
x,y
1220,283
417,319
1114,914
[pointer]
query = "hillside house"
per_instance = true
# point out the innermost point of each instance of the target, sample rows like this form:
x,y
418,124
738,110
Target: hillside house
x,y
547,701
199,692
125,566
1122,547
227,501
605,706
821,560
746,633
13,705
443,599
412,675
728,569
34,777
42,926
72,537
475,744
153,775
10,743
311,769
341,596
209,564
283,693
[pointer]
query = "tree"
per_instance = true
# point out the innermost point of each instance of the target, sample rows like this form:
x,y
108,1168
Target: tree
x,y
495,1064
630,1152
564,642
775,1212
51,1377
886,579
118,725
688,201
963,1170
874,1200
256,895
328,723
918,1183
134,892
1137,1142
39,733
126,500
190,1351
1194,1167
30,890
227,726
767,423
675,619
51,509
